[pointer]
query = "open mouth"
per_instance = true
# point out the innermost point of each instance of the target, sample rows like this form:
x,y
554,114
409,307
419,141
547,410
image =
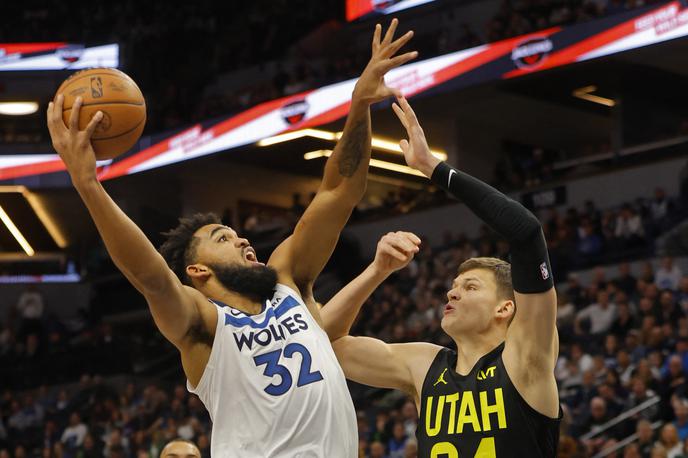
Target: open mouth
x,y
250,256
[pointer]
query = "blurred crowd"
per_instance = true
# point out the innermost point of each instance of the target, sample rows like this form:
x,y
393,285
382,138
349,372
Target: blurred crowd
x,y
224,39
97,418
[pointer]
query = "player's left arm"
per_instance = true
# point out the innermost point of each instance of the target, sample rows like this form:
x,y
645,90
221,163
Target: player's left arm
x,y
532,342
302,256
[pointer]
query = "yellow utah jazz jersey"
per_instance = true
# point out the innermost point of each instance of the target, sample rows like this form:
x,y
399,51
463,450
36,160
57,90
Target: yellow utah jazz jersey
x,y
480,415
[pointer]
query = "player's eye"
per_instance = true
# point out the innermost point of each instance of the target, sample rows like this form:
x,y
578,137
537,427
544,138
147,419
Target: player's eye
x,y
223,238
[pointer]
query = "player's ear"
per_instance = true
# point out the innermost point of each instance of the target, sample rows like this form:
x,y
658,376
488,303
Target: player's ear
x,y
506,309
198,272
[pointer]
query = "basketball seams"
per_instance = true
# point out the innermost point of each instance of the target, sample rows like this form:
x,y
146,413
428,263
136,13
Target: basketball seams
x,y
123,133
143,118
142,104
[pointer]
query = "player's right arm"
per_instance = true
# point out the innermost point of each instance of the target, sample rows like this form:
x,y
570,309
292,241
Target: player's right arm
x,y
375,363
174,307
372,361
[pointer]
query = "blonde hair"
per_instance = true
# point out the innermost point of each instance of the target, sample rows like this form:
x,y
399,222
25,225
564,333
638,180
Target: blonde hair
x,y
500,269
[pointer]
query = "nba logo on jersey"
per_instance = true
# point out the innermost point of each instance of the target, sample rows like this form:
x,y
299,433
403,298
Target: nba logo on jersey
x,y
544,272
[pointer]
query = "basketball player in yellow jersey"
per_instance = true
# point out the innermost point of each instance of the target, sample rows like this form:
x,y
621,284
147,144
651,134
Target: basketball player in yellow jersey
x,y
496,397
249,334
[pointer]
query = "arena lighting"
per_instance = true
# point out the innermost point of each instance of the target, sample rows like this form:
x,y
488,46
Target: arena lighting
x,y
586,93
315,133
15,232
18,108
373,163
377,142
38,208
393,147
47,221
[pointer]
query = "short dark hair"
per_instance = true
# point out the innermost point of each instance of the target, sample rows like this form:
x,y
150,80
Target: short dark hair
x,y
179,250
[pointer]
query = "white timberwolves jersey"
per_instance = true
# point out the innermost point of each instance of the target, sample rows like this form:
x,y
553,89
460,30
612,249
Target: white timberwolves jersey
x,y
273,386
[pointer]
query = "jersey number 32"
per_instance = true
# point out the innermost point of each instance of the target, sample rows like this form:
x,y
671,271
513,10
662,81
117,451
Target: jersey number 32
x,y
273,367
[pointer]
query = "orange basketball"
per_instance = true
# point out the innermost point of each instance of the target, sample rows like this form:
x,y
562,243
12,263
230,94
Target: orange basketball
x,y
118,97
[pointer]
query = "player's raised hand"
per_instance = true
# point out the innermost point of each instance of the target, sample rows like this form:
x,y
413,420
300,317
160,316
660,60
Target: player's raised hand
x,y
395,250
371,85
73,145
416,150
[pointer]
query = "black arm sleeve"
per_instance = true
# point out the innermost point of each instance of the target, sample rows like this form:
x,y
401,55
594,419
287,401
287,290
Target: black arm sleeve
x,y
530,267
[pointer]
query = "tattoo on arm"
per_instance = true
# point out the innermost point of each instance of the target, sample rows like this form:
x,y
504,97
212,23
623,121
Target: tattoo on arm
x,y
353,147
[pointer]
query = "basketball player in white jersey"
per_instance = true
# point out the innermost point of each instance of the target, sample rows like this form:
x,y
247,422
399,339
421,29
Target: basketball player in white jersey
x,y
249,334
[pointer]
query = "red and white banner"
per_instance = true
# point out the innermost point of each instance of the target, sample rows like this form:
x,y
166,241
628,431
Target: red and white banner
x,y
501,60
56,56
359,8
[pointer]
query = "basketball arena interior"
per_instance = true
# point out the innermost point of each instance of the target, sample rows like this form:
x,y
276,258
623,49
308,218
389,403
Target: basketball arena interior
x,y
577,109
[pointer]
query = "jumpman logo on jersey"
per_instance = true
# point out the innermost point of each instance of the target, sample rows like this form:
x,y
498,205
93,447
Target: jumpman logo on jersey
x,y
441,377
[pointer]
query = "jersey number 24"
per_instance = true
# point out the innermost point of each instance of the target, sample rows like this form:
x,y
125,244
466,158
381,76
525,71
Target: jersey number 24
x,y
273,367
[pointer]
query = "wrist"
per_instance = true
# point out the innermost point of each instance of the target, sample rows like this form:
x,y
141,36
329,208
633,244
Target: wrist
x,y
359,100
378,273
84,182
427,168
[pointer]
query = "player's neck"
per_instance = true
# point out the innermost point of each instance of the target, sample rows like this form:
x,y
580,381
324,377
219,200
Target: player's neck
x,y
250,306
471,348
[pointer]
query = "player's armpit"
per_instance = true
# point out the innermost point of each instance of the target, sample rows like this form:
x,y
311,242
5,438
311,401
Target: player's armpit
x,y
376,363
177,308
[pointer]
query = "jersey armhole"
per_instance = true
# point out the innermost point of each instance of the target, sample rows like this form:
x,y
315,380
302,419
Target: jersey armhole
x,y
440,354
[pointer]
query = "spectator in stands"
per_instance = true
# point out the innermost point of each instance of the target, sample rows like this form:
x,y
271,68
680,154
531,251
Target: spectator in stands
x,y
589,242
601,316
640,393
680,407
682,294
669,439
669,275
624,321
397,443
73,436
646,437
674,381
30,307
377,450
89,448
181,448
629,227
625,281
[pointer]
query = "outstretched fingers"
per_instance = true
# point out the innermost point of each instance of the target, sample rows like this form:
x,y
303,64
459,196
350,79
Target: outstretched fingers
x,y
398,61
400,114
376,37
408,111
398,44
390,32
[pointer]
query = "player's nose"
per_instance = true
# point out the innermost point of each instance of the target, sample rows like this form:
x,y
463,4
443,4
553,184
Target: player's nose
x,y
242,243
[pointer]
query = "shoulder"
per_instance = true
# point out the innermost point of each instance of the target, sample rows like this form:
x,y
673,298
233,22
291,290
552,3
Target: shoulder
x,y
418,358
